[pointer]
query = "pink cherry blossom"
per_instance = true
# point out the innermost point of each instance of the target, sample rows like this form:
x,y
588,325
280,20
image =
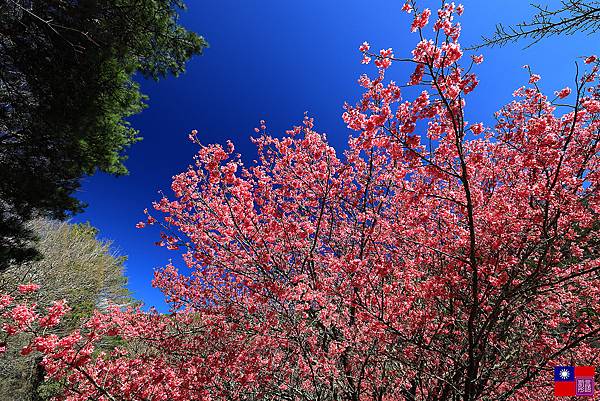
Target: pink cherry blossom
x,y
563,93
27,288
384,60
432,259
420,20
477,59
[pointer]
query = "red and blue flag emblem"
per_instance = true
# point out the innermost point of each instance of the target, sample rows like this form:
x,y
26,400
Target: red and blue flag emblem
x,y
574,381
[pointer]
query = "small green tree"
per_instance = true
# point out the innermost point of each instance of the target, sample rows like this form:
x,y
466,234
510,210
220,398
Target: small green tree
x,y
66,90
76,266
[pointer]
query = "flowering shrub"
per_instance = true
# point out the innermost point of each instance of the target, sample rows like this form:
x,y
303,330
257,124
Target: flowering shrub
x,y
17,316
438,259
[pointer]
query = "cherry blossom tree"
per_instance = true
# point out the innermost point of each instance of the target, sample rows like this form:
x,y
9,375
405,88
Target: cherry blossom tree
x,y
77,266
436,259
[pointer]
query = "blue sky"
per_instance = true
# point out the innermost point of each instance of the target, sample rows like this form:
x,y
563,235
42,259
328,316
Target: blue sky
x,y
274,60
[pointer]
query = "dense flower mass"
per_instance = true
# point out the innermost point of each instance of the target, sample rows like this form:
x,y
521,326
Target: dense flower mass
x,y
564,92
27,288
436,259
420,20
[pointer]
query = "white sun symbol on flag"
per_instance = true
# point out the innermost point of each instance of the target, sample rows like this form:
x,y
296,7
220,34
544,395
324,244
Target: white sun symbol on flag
x,y
564,374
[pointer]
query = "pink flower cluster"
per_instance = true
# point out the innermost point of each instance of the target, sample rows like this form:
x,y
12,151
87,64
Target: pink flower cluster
x,y
563,93
385,59
431,251
28,288
420,20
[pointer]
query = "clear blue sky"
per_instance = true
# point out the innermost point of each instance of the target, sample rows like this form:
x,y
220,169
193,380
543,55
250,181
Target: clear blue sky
x,y
274,60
